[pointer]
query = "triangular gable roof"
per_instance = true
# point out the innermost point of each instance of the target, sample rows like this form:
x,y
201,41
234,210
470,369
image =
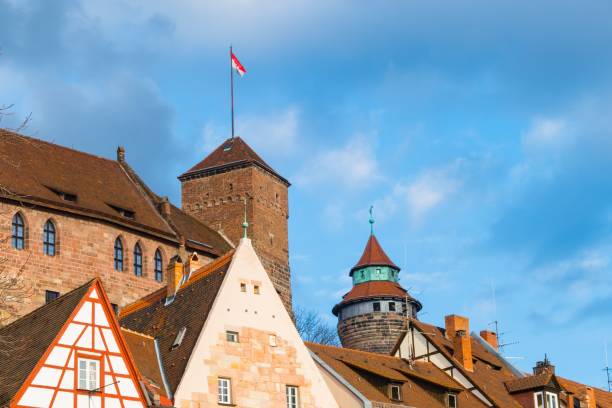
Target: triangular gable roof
x,y
531,382
29,338
83,326
232,153
189,309
373,255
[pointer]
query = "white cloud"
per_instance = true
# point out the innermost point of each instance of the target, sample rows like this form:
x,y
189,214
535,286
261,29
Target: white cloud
x,y
271,134
547,134
352,166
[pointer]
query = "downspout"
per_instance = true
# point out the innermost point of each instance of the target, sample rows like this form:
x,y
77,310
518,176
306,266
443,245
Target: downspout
x,y
366,402
162,372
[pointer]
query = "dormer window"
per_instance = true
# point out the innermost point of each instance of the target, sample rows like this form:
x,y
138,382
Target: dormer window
x,y
451,400
124,212
64,195
179,337
395,392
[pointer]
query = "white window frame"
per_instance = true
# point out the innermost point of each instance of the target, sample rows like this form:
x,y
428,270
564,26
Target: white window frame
x,y
552,398
232,336
448,400
399,392
87,379
293,396
535,399
224,390
272,340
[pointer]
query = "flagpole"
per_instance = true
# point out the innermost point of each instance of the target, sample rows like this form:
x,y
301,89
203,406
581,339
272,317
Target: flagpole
x,y
232,89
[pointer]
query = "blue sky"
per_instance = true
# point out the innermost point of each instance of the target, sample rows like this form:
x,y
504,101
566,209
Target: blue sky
x,y
481,133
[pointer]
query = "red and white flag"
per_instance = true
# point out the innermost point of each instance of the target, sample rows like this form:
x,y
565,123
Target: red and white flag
x,y
238,66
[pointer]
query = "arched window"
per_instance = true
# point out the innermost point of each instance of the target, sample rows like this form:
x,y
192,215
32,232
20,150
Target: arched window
x,y
18,234
137,260
49,238
159,274
118,255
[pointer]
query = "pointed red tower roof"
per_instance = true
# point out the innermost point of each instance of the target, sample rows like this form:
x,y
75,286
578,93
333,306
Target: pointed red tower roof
x,y
232,153
374,255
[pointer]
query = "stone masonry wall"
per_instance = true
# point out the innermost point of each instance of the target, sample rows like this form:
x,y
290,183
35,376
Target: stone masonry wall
x,y
218,201
85,249
376,332
258,371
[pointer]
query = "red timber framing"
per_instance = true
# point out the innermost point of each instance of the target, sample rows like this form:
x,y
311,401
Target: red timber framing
x,y
91,334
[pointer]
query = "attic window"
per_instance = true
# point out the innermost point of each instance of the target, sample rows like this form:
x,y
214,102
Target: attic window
x,y
124,212
179,337
64,195
227,148
452,400
395,392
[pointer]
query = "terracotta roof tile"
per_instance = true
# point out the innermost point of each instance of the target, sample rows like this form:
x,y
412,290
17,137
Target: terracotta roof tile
x,y
189,310
373,290
370,373
529,382
142,349
602,398
30,336
231,153
39,172
373,254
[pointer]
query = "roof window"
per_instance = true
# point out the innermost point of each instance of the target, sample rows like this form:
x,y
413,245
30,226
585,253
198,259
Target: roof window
x,y
395,392
64,195
179,337
124,212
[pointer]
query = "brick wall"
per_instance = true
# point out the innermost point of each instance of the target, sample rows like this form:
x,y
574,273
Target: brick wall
x,y
218,201
85,250
376,332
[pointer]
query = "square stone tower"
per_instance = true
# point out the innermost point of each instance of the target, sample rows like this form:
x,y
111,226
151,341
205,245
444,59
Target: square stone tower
x,y
215,191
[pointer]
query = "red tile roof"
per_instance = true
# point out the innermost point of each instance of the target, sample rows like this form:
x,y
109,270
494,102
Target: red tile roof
x,y
529,382
39,172
603,398
232,153
373,255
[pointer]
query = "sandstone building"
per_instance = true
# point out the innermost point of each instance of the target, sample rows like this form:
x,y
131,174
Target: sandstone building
x,y
68,216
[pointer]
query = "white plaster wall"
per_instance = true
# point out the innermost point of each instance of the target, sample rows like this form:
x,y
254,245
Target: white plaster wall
x,y
233,308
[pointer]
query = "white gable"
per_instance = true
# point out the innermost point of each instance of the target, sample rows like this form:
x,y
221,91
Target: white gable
x,y
53,383
248,300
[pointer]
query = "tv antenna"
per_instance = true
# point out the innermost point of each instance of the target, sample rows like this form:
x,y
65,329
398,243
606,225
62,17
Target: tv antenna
x,y
500,343
608,370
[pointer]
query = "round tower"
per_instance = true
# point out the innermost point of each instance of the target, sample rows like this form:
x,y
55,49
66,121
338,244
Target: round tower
x,y
372,315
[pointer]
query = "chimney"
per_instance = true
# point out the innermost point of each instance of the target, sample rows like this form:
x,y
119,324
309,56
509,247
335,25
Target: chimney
x,y
454,323
165,207
491,338
463,349
175,275
120,154
590,398
543,367
194,263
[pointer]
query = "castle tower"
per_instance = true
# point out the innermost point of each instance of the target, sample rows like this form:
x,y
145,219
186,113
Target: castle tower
x,y
372,315
215,191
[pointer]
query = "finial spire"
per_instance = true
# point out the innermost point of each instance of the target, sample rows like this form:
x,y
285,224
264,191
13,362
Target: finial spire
x,y
245,224
371,220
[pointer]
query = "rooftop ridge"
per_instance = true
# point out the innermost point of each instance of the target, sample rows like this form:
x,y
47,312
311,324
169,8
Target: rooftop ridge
x,y
207,269
144,301
137,333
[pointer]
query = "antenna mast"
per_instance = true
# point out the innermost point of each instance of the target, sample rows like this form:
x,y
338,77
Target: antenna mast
x,y
608,370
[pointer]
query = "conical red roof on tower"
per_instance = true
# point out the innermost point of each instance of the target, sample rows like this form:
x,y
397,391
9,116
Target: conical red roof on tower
x,y
373,254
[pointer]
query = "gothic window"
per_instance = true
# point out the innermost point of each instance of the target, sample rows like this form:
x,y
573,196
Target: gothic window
x,y
118,255
137,260
159,274
18,233
49,238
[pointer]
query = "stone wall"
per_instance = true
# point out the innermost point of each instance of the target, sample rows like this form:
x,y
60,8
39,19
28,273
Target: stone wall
x,y
85,249
218,201
258,371
376,332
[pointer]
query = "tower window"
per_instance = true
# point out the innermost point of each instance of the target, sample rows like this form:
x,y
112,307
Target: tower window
x,y
50,296
376,306
137,260
49,238
392,306
159,274
118,255
231,187
395,392
18,232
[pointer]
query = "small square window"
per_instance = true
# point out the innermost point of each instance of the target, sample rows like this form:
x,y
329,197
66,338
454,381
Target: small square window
x,y
231,336
376,306
50,296
392,306
395,391
272,339
256,289
243,287
452,401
